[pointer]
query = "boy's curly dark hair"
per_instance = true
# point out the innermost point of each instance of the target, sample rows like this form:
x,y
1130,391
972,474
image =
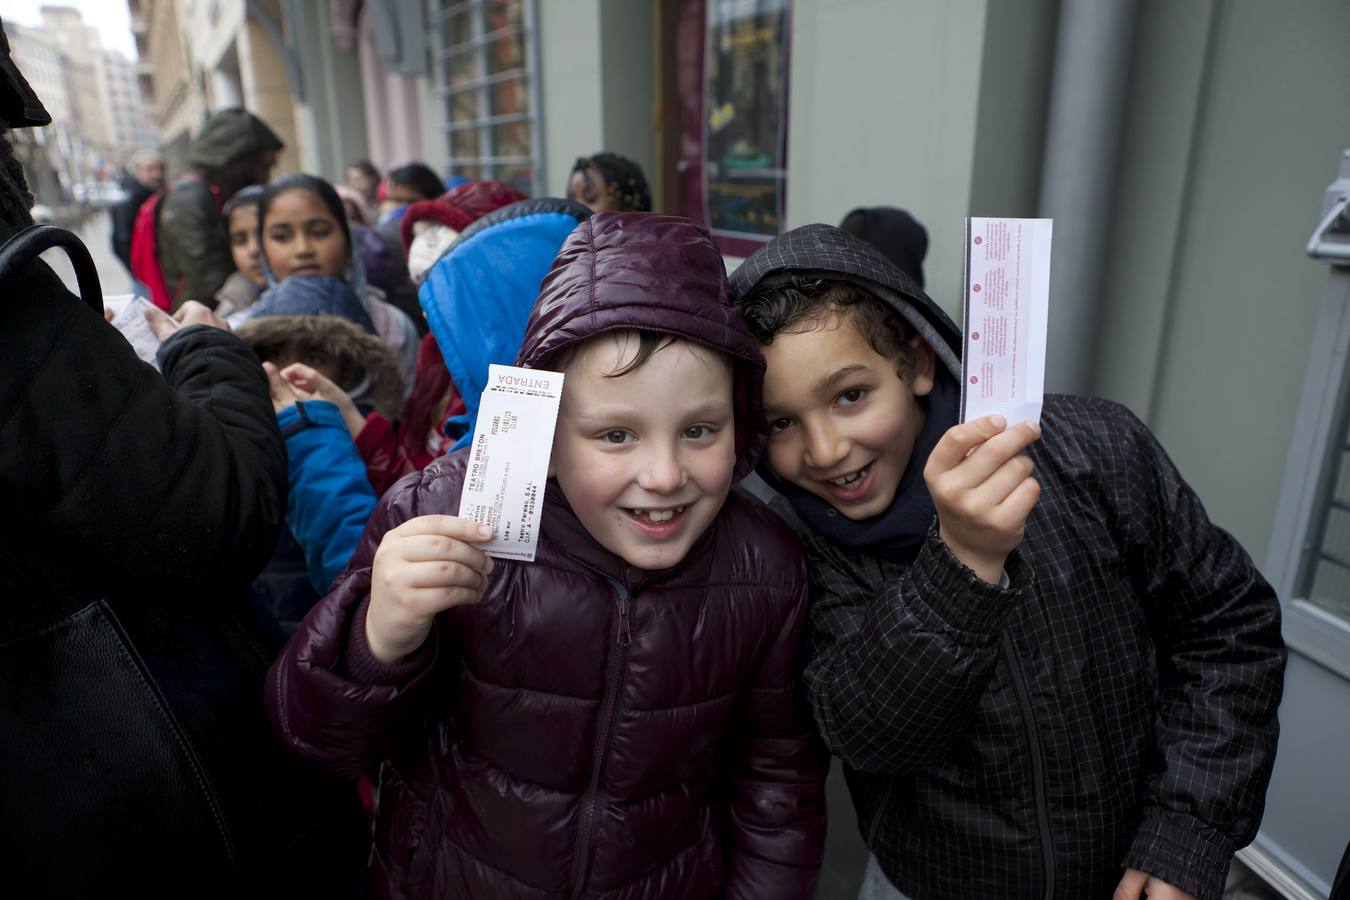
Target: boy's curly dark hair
x,y
800,302
624,175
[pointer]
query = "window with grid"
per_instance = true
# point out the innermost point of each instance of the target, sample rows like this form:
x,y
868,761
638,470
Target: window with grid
x,y
485,55
1327,568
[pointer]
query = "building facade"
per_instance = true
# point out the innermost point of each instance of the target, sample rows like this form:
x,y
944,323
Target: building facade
x,y
98,118
1184,150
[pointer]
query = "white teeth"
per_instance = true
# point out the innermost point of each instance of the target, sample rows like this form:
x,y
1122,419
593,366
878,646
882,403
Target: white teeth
x,y
846,480
658,515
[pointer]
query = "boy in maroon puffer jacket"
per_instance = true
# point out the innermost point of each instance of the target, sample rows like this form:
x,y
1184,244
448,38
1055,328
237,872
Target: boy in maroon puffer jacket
x,y
620,717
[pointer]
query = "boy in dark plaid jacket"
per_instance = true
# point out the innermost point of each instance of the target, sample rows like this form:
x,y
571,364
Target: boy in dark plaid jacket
x,y
1047,673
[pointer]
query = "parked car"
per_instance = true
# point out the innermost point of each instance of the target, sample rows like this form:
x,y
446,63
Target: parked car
x,y
99,193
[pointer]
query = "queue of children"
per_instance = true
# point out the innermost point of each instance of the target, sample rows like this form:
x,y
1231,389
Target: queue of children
x,y
1045,672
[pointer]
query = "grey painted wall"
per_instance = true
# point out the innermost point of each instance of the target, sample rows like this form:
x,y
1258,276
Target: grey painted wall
x,y
935,107
1236,123
332,119
597,83
883,110
1015,68
571,92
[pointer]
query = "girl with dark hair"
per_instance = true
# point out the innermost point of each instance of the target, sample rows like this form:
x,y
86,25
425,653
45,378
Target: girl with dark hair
x,y
303,232
246,282
413,182
607,182
362,176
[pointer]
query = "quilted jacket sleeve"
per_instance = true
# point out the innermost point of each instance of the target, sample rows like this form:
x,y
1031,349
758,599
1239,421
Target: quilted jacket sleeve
x,y
156,481
777,811
329,699
330,498
384,456
895,676
1216,626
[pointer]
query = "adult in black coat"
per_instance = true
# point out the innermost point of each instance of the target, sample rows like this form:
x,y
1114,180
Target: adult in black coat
x,y
135,757
147,176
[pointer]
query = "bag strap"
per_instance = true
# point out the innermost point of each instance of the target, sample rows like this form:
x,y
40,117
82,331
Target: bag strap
x,y
21,250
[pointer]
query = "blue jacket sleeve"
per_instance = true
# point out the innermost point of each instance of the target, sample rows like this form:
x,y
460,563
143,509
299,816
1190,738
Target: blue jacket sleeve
x,y
330,498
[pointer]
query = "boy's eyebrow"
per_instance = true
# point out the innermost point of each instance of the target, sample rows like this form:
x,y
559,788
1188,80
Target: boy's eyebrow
x,y
838,375
611,413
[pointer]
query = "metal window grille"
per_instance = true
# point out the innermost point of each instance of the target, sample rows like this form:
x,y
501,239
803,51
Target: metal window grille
x,y
1327,567
485,56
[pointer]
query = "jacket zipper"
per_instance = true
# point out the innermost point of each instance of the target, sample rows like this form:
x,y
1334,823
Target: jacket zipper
x,y
1037,763
618,658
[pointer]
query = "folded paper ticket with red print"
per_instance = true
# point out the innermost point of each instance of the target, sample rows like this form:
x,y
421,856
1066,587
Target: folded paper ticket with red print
x,y
508,459
1007,312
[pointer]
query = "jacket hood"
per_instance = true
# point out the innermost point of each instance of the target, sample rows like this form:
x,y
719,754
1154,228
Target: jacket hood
x,y
230,135
479,294
829,252
894,232
622,271
458,207
19,103
313,295
376,381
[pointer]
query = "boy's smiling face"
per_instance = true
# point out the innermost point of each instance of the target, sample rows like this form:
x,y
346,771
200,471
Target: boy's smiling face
x,y
645,459
842,420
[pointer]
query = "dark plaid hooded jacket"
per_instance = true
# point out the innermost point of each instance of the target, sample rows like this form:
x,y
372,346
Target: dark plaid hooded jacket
x,y
1113,706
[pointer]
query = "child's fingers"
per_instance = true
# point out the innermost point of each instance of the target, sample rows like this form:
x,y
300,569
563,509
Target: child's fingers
x,y
282,393
1011,514
310,378
1131,886
429,601
460,529
439,548
959,440
996,488
987,458
444,574
274,381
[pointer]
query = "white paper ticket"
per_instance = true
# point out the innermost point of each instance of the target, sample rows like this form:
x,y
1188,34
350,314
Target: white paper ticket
x,y
129,318
1006,316
508,460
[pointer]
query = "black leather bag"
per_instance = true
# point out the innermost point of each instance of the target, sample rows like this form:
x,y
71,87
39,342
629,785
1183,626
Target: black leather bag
x,y
135,755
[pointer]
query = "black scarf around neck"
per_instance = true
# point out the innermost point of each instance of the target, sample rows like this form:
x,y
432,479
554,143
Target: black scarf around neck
x,y
899,531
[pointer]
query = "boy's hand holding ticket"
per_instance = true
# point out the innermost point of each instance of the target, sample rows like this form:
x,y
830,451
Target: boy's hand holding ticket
x,y
423,567
978,477
508,460
428,564
983,491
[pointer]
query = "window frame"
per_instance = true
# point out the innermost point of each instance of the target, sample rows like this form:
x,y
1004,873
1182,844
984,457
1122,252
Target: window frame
x,y
488,160
1315,456
692,195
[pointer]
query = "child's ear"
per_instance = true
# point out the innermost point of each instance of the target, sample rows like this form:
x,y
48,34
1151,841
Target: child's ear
x,y
925,370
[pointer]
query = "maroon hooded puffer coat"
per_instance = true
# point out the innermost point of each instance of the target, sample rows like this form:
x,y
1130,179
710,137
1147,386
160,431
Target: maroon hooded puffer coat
x,y
589,729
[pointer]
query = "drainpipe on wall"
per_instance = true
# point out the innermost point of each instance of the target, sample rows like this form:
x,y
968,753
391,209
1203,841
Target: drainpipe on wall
x,y
1082,138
